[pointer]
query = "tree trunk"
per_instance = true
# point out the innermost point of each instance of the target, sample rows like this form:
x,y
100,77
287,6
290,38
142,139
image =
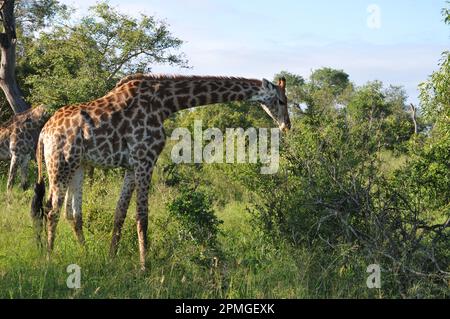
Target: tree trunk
x,y
8,40
413,116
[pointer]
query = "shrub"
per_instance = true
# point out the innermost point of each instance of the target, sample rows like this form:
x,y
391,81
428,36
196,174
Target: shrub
x,y
193,209
332,192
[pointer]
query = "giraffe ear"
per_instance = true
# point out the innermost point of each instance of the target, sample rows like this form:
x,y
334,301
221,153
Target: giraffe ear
x,y
282,83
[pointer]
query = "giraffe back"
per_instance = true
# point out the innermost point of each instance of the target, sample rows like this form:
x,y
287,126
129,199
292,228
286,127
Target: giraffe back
x,y
105,132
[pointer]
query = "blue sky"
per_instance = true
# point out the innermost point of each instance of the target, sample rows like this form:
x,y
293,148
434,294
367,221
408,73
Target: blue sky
x,y
258,38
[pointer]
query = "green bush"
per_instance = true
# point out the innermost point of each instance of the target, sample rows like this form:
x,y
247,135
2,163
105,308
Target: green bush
x,y
193,209
332,192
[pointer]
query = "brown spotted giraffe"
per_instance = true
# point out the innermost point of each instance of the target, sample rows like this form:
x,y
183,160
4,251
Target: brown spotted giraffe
x,y
125,129
18,139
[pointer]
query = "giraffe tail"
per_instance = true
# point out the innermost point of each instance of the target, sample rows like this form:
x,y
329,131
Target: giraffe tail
x,y
37,204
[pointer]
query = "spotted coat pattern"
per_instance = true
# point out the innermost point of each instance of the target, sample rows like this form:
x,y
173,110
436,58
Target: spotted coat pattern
x,y
18,139
125,129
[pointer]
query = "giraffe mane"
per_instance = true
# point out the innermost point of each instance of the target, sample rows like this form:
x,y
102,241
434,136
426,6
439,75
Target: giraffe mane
x,y
128,78
152,76
16,117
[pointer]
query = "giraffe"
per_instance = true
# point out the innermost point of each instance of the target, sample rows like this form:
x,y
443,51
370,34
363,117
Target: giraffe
x,y
124,129
18,139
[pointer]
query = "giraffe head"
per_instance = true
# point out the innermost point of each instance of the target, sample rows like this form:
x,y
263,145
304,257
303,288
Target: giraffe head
x,y
41,113
274,101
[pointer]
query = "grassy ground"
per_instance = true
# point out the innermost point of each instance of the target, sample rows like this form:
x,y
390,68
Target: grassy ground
x,y
247,264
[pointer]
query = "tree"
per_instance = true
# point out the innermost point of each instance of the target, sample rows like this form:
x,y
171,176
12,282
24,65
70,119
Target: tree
x,y
8,41
372,104
76,63
435,92
19,20
325,90
337,80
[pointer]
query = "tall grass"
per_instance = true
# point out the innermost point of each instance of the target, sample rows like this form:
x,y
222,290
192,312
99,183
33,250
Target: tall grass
x,y
247,264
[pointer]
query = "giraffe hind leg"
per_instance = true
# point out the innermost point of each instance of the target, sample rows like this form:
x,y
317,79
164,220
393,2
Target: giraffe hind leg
x,y
57,198
59,178
76,190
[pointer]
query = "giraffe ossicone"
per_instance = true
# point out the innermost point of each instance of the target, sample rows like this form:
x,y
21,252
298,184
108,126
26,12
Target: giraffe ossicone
x,y
124,128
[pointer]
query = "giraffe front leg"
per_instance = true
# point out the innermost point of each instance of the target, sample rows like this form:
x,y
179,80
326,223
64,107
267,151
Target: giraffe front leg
x,y
143,177
12,172
24,171
121,210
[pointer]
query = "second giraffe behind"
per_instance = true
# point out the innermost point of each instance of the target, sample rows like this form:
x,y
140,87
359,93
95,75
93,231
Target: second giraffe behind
x,y
125,129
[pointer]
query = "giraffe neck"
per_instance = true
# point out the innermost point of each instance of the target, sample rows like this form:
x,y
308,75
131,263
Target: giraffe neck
x,y
191,92
164,95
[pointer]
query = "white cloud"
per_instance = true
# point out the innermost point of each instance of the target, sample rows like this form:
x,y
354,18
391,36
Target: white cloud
x,y
228,47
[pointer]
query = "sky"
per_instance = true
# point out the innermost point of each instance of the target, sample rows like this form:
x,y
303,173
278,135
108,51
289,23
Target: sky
x,y
398,42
